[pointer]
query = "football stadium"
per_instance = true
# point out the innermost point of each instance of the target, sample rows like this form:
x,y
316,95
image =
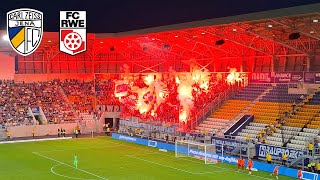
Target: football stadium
x,y
235,97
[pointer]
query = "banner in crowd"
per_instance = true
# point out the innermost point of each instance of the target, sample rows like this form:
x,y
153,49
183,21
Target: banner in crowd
x,y
276,152
281,77
309,77
121,88
109,108
261,77
228,144
297,77
285,77
35,110
317,78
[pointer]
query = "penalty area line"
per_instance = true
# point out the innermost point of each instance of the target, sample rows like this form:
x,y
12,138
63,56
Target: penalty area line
x,y
163,165
212,165
261,177
69,165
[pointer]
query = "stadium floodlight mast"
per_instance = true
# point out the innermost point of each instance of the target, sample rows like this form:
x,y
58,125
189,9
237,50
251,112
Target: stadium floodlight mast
x,y
5,37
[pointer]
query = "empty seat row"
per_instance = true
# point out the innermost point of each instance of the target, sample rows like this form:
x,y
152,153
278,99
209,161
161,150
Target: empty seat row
x,y
296,146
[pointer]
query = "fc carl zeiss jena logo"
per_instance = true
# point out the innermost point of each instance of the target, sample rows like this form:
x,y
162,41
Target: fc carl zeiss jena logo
x,y
24,29
73,34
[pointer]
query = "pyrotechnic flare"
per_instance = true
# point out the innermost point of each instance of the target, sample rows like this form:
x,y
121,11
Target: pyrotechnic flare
x,y
233,76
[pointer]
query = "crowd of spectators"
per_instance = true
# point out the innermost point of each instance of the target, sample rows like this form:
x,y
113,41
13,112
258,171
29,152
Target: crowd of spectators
x,y
105,92
80,94
63,101
14,102
16,99
168,110
49,98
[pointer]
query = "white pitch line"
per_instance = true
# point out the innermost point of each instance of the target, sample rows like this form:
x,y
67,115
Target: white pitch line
x,y
170,166
68,165
213,165
64,175
254,175
34,140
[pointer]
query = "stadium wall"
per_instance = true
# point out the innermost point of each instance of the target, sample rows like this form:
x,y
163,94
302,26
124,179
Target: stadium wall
x,y
40,130
7,66
226,159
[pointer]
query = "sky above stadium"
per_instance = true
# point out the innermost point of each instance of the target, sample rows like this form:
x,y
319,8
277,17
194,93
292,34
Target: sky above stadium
x,y
124,15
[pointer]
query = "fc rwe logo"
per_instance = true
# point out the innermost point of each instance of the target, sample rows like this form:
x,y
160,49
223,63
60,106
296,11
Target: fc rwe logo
x,y
73,34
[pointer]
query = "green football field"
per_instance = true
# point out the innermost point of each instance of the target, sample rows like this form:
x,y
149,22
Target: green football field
x,y
106,158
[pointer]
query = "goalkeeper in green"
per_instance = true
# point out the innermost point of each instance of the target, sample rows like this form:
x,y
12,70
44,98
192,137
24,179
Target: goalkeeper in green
x,y
75,161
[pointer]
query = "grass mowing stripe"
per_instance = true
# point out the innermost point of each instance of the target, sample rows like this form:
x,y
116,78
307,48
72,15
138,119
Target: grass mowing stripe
x,y
58,150
143,149
68,165
108,162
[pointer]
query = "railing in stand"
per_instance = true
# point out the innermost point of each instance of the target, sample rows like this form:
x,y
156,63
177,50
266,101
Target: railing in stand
x,y
214,105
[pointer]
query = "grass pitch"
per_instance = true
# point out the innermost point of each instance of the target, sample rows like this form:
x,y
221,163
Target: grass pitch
x,y
104,158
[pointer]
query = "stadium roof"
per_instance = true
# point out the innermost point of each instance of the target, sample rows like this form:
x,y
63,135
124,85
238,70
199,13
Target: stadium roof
x,y
277,13
262,33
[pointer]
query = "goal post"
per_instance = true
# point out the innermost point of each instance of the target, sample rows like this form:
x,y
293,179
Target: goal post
x,y
202,151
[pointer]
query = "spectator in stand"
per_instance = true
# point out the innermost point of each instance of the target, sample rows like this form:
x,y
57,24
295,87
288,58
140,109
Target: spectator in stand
x,y
167,138
259,137
33,132
294,105
8,135
108,131
313,166
310,148
248,137
268,158
76,133
309,166
284,158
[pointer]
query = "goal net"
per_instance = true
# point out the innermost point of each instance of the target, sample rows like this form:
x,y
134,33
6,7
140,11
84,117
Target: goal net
x,y
202,151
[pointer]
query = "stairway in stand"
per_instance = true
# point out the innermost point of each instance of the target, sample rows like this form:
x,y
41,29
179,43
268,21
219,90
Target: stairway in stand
x,y
244,111
232,110
66,99
3,135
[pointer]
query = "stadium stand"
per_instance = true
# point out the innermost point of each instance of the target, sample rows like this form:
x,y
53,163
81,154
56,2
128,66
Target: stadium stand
x,y
268,113
212,125
299,126
279,93
14,102
79,94
230,109
17,97
251,92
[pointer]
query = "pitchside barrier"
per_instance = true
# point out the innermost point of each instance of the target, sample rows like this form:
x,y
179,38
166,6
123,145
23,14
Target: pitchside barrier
x,y
220,157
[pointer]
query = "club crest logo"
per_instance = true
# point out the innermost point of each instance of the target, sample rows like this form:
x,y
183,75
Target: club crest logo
x,y
73,33
25,29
